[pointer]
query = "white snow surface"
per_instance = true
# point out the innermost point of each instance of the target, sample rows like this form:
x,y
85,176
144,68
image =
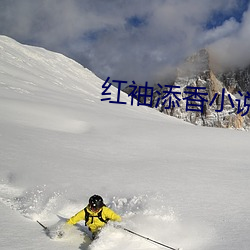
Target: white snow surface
x,y
179,184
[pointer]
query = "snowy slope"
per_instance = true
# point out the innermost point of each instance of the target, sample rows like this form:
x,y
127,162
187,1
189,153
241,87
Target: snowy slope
x,y
179,184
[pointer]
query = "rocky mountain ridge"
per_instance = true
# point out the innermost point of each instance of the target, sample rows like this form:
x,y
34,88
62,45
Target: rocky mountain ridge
x,y
203,95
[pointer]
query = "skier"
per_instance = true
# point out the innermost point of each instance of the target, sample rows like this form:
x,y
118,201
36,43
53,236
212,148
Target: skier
x,y
95,214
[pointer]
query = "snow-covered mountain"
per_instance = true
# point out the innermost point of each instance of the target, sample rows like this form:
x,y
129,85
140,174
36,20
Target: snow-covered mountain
x,y
223,106
236,79
182,185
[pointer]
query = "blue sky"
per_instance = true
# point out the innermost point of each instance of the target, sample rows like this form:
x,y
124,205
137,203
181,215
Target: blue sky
x,y
218,17
140,40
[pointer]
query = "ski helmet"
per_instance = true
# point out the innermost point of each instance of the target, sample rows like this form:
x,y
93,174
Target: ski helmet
x,y
95,202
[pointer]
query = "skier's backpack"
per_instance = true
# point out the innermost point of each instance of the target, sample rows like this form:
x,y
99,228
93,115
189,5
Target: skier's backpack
x,y
88,216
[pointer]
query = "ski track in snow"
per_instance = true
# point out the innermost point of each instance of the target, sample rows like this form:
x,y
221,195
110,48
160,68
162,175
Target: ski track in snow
x,y
145,214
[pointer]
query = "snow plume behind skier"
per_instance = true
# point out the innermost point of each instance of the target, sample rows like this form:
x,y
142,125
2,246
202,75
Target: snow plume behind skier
x,y
95,214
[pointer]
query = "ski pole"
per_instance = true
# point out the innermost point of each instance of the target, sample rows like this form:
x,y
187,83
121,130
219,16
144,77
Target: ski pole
x,y
45,228
146,238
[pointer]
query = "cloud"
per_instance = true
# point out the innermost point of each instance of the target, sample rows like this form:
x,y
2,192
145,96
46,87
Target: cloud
x,y
232,50
228,28
127,40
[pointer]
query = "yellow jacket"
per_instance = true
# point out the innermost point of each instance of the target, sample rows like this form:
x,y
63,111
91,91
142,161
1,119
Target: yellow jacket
x,y
94,223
